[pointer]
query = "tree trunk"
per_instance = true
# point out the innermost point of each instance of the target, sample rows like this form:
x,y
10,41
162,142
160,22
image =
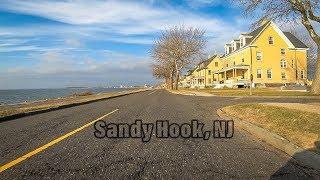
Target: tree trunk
x,y
171,80
177,80
167,83
315,89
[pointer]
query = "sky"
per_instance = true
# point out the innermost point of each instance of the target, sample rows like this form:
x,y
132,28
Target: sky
x,y
53,44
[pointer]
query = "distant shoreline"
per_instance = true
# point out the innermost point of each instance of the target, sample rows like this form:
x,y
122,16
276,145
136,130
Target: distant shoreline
x,y
25,96
23,109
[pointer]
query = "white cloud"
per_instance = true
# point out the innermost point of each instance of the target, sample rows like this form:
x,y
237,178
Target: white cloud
x,y
114,69
125,17
55,62
117,21
73,42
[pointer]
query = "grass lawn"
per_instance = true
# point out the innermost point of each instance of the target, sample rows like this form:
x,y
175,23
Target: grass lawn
x,y
299,127
246,92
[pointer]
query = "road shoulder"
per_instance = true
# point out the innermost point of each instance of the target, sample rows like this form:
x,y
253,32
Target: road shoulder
x,y
303,156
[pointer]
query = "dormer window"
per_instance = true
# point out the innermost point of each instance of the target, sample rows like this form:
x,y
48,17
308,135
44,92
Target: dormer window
x,y
241,42
271,40
227,48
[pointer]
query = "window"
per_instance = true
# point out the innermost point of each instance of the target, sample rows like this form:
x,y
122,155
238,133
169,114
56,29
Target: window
x,y
259,56
269,73
209,72
283,75
259,73
216,64
243,60
283,51
271,40
227,65
241,42
283,63
302,74
234,63
292,63
209,80
242,75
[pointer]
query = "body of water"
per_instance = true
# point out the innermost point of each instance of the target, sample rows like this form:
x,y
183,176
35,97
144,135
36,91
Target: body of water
x,y
16,96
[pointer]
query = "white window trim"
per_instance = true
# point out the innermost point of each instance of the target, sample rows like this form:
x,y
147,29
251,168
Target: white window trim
x,y
260,74
281,51
270,73
272,40
260,56
284,75
302,76
283,65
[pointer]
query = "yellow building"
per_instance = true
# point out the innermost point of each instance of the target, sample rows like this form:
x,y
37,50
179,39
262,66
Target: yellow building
x,y
272,56
202,75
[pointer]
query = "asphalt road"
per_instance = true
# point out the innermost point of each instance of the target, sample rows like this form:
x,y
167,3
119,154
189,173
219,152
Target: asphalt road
x,y
82,155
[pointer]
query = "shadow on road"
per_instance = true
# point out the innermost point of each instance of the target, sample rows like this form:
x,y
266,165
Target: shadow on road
x,y
303,171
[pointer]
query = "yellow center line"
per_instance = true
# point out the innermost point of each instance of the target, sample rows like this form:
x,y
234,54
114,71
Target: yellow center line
x,y
152,92
51,143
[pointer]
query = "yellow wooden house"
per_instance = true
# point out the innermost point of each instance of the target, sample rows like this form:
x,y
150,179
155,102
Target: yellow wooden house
x,y
272,56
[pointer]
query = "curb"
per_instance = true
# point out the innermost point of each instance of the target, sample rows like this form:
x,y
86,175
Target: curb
x,y
303,156
15,116
194,93
276,97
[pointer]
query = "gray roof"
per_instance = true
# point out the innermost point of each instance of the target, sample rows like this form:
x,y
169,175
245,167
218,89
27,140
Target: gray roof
x,y
256,32
295,41
253,35
205,63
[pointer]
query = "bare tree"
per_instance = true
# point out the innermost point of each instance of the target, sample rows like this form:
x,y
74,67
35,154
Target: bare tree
x,y
164,67
178,47
303,11
161,71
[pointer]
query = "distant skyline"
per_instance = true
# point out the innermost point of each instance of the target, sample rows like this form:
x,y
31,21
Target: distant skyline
x,y
52,44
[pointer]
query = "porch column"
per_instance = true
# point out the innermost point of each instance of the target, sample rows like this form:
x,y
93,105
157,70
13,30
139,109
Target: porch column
x,y
235,72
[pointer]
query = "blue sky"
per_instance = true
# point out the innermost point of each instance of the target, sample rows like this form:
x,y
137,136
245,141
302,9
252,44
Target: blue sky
x,y
51,44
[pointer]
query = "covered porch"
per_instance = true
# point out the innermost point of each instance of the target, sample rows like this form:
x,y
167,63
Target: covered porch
x,y
234,76
198,82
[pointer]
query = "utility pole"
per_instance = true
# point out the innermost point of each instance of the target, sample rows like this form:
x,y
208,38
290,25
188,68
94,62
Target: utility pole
x,y
251,76
251,81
